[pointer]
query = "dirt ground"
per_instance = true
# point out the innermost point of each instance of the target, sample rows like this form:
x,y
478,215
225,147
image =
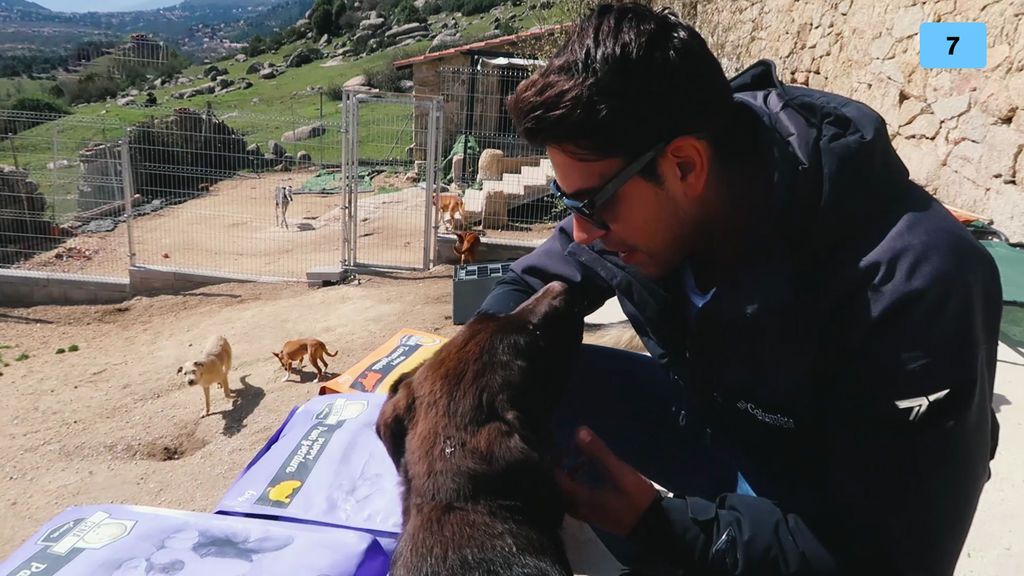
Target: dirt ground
x,y
113,423
232,230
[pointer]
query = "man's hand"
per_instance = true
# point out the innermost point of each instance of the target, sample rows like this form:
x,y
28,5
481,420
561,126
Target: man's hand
x,y
622,499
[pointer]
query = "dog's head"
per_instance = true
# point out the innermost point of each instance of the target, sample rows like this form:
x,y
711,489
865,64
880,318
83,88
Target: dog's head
x,y
283,358
467,241
192,372
481,407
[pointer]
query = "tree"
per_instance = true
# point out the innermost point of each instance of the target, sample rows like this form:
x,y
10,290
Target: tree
x,y
323,17
257,46
407,12
340,9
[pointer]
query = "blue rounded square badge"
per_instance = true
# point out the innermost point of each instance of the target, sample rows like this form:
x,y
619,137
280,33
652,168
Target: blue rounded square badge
x,y
953,44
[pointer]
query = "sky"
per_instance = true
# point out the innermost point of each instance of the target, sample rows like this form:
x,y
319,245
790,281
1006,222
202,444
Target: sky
x,y
103,5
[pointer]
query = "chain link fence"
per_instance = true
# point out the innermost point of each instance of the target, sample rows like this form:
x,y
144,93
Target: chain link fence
x,y
202,186
504,182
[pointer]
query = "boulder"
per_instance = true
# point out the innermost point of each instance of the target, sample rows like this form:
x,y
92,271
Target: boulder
x,y
254,150
371,24
491,164
254,67
407,29
304,157
304,133
303,56
360,80
268,74
126,101
241,57
210,69
276,149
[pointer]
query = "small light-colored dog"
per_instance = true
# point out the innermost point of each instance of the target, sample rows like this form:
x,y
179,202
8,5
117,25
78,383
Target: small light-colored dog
x,y
210,369
297,350
282,199
449,205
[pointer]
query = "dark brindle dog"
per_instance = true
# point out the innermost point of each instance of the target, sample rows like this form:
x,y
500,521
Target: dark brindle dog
x,y
470,433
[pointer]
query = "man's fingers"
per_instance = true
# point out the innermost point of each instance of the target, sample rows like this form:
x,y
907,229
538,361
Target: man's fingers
x,y
575,495
596,450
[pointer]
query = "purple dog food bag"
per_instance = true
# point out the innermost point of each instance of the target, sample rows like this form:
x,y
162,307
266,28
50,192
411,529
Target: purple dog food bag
x,y
139,541
325,465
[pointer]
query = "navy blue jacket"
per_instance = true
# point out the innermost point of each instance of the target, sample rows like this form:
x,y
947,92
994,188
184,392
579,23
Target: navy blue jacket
x,y
846,365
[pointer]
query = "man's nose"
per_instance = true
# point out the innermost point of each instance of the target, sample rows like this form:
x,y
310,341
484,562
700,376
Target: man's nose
x,y
585,232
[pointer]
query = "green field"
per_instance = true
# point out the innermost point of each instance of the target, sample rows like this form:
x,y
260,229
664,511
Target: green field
x,y
13,88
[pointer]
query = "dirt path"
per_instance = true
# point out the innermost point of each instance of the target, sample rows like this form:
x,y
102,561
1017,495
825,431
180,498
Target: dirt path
x,y
113,423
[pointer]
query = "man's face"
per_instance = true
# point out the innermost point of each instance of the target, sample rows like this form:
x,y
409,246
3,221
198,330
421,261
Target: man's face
x,y
651,225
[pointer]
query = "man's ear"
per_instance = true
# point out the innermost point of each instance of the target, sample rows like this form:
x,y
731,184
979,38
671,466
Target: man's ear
x,y
393,422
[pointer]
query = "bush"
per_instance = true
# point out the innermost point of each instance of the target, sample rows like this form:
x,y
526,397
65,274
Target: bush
x,y
323,18
30,104
406,12
384,77
41,105
334,91
431,8
350,21
90,88
257,45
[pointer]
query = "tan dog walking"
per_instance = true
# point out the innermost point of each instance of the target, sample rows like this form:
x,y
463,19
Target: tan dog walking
x,y
210,369
295,351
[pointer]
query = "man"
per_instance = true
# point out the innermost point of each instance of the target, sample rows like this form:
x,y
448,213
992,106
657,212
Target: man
x,y
823,333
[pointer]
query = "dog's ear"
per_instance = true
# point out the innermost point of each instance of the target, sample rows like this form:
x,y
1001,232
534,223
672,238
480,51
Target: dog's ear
x,y
180,369
393,422
198,363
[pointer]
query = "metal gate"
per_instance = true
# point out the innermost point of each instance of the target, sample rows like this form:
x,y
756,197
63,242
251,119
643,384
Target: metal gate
x,y
390,170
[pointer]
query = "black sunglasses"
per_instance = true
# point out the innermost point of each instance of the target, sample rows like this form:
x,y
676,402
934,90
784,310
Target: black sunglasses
x,y
588,209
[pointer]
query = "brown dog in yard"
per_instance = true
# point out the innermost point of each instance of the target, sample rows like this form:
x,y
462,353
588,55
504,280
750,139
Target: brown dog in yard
x,y
466,244
210,369
449,205
297,350
470,433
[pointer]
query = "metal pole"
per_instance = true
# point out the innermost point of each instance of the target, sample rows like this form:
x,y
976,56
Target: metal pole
x,y
428,195
128,184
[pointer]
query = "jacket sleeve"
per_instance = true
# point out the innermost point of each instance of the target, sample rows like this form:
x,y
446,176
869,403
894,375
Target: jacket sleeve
x,y
547,263
906,442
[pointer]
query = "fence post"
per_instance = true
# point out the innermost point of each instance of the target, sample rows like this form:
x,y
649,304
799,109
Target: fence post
x,y
428,229
128,185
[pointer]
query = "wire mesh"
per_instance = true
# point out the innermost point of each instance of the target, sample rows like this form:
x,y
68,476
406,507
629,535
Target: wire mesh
x,y
203,187
61,195
390,150
220,193
503,181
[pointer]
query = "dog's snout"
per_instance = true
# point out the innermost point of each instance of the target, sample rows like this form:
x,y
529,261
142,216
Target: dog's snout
x,y
191,382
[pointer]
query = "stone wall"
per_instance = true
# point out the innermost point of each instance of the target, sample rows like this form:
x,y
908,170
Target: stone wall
x,y
960,132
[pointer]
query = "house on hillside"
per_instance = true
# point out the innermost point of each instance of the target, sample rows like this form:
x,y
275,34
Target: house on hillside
x,y
474,81
499,174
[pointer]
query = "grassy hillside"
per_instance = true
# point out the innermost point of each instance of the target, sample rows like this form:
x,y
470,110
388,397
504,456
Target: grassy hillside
x,y
261,113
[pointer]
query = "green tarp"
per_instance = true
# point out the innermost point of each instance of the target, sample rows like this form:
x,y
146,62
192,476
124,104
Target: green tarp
x,y
1010,261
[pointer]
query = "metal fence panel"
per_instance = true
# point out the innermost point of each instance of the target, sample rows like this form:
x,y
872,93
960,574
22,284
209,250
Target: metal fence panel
x,y
217,189
62,208
390,170
503,180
